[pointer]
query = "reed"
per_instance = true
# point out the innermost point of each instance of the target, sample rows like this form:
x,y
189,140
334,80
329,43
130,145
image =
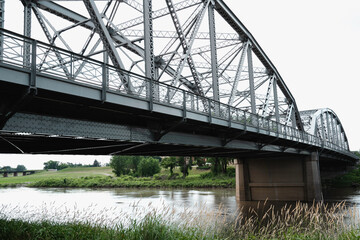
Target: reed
x,y
264,221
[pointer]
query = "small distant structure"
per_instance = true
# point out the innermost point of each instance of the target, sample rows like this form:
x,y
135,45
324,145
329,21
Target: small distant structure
x,y
15,173
52,170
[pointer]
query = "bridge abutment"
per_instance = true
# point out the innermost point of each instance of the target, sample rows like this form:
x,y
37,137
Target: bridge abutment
x,y
289,178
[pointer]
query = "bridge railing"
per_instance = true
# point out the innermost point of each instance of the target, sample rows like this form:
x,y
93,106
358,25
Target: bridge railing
x,y
42,58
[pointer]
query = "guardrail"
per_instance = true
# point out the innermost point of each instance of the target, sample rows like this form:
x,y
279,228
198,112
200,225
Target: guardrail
x,y
42,58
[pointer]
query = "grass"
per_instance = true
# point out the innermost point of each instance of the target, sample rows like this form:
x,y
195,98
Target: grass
x,y
299,221
103,177
65,173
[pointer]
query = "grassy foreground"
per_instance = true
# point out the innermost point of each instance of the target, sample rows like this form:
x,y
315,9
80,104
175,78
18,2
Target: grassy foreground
x,y
302,221
96,177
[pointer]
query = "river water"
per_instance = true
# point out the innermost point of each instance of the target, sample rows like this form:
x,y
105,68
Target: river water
x,y
109,206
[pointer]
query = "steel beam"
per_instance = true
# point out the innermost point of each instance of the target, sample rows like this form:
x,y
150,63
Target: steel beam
x,y
149,48
27,32
238,74
237,25
2,25
276,100
251,80
107,42
187,45
214,63
268,96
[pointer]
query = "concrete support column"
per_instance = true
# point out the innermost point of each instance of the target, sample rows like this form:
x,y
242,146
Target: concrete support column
x,y
313,180
242,188
24,173
5,174
15,174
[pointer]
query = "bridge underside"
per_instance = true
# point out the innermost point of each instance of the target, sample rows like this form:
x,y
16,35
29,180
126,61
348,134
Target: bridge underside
x,y
56,123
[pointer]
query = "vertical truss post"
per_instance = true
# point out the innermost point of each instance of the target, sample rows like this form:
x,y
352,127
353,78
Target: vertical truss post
x,y
27,32
33,65
107,42
267,98
2,25
332,129
238,74
276,100
322,126
293,119
149,48
329,132
289,113
336,131
214,63
342,140
105,77
251,80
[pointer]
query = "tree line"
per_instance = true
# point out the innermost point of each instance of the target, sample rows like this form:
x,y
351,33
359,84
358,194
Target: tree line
x,y
142,166
59,165
18,168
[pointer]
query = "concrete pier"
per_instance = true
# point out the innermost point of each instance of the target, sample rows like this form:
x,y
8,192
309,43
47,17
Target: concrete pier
x,y
278,178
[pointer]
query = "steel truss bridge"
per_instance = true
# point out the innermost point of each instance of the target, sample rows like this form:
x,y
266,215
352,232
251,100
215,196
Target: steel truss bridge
x,y
149,77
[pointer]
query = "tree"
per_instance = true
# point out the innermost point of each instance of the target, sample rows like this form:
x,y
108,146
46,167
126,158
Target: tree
x,y
20,168
96,163
62,166
185,165
219,165
148,167
169,162
121,165
51,165
6,168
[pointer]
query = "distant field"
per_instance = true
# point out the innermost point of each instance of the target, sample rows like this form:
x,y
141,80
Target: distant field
x,y
94,177
65,173
79,172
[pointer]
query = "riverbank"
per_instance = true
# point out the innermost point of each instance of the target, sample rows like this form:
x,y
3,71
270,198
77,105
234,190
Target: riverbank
x,y
102,177
350,179
302,221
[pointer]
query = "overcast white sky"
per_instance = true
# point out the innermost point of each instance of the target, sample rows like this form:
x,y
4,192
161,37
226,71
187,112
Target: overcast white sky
x,y
313,44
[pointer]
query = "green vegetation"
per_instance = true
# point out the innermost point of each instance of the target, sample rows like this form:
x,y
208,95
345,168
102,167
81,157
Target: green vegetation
x,y
103,177
59,165
135,166
18,168
302,221
77,172
350,179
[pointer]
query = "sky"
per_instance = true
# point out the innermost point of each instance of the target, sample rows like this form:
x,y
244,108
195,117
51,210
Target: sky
x,y
314,46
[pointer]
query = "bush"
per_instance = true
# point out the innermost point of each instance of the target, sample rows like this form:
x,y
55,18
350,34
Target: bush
x,y
148,167
230,172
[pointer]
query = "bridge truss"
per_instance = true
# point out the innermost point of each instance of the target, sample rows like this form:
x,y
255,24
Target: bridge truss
x,y
192,53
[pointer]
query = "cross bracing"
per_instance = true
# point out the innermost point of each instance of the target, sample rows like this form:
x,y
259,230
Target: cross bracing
x,y
197,46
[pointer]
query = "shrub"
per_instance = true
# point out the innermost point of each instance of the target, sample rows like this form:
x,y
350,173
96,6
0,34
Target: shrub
x,y
230,172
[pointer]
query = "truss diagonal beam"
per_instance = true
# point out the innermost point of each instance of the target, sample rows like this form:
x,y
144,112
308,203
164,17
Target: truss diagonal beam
x,y
244,34
238,74
108,45
158,13
51,41
187,45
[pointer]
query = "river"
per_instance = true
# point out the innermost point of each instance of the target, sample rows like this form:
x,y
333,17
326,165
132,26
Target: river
x,y
109,206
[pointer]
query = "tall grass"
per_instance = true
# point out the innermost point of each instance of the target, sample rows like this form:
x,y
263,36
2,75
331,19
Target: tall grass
x,y
265,221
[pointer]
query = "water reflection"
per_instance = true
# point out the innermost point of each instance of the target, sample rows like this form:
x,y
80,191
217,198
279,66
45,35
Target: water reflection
x,y
122,204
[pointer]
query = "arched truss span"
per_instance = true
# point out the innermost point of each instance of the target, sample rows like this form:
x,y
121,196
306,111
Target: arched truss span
x,y
325,124
196,45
